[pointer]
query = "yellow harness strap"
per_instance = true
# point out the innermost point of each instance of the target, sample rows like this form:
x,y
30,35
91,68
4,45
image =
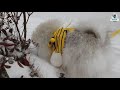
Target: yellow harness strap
x,y
115,33
56,43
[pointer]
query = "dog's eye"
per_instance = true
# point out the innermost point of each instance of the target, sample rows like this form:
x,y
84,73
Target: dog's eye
x,y
91,33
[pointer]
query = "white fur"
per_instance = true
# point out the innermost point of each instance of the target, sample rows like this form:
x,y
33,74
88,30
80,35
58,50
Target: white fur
x,y
42,35
84,55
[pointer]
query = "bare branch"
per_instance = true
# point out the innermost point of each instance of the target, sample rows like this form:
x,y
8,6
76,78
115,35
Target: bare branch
x,y
20,15
24,23
29,16
16,24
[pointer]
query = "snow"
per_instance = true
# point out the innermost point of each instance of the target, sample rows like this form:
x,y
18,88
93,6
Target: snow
x,y
16,71
1,56
46,70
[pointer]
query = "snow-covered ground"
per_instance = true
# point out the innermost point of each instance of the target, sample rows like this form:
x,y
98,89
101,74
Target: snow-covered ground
x,y
38,17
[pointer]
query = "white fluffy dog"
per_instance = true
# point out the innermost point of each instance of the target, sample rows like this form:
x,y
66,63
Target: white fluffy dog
x,y
87,52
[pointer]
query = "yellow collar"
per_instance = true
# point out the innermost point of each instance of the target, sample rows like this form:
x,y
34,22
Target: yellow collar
x,y
57,42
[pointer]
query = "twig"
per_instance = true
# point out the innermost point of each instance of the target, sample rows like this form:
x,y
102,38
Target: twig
x,y
16,24
24,23
29,16
20,14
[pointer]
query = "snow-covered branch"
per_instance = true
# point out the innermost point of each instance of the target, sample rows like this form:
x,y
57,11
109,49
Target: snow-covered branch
x,y
13,47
